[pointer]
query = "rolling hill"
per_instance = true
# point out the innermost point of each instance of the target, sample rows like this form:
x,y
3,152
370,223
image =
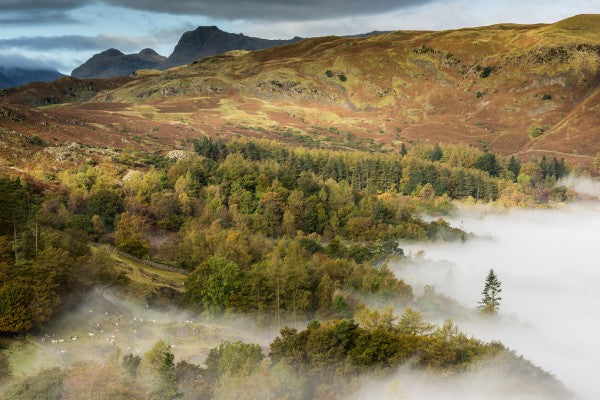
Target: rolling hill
x,y
13,76
517,89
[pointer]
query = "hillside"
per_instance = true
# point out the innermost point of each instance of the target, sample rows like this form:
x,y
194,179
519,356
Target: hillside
x,y
18,76
495,86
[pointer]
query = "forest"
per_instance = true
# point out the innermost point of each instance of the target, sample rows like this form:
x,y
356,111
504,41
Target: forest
x,y
283,235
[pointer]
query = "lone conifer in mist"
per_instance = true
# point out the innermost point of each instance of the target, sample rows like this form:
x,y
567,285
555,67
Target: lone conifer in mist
x,y
491,299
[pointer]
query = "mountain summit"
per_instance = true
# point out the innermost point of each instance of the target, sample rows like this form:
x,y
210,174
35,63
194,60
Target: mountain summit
x,y
112,63
210,40
201,42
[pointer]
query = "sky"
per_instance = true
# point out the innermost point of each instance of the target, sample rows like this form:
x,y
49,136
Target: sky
x,y
63,34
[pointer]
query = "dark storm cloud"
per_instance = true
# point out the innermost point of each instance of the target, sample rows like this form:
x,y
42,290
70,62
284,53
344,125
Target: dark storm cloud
x,y
283,10
37,18
51,5
13,5
73,42
269,9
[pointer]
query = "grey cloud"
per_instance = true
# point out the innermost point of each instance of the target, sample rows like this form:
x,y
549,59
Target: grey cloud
x,y
74,42
18,61
38,18
282,10
269,9
19,5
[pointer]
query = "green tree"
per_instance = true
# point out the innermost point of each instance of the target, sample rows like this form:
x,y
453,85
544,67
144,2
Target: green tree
x,y
129,235
436,154
233,358
131,364
487,162
105,203
160,359
411,323
403,150
15,205
23,305
213,284
514,166
492,288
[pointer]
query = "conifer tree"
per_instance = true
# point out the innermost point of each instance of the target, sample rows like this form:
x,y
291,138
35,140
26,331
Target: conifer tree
x,y
403,150
436,154
514,166
491,299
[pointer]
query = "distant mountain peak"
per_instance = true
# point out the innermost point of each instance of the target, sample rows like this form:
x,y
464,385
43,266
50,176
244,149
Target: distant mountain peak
x,y
148,52
111,53
113,63
206,40
20,75
208,28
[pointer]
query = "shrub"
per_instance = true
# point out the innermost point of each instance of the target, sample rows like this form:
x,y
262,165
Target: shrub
x,y
596,162
342,78
45,385
536,131
547,96
329,73
136,247
37,140
486,72
81,223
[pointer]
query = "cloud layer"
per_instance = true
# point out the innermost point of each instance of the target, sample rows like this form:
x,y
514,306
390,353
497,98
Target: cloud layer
x,y
74,42
547,262
231,9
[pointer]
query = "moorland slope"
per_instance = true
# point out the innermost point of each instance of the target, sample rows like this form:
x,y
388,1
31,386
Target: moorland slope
x,y
516,89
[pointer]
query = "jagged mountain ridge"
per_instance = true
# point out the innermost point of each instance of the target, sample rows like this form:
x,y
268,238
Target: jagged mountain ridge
x,y
210,40
113,63
193,45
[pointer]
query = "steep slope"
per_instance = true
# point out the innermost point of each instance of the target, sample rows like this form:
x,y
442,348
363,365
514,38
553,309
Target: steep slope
x,y
113,63
19,76
577,133
210,40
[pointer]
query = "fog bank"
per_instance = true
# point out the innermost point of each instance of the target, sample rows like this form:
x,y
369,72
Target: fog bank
x,y
548,263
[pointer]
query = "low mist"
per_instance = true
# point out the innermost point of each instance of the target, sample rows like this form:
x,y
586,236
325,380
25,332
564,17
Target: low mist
x,y
107,323
491,383
548,263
